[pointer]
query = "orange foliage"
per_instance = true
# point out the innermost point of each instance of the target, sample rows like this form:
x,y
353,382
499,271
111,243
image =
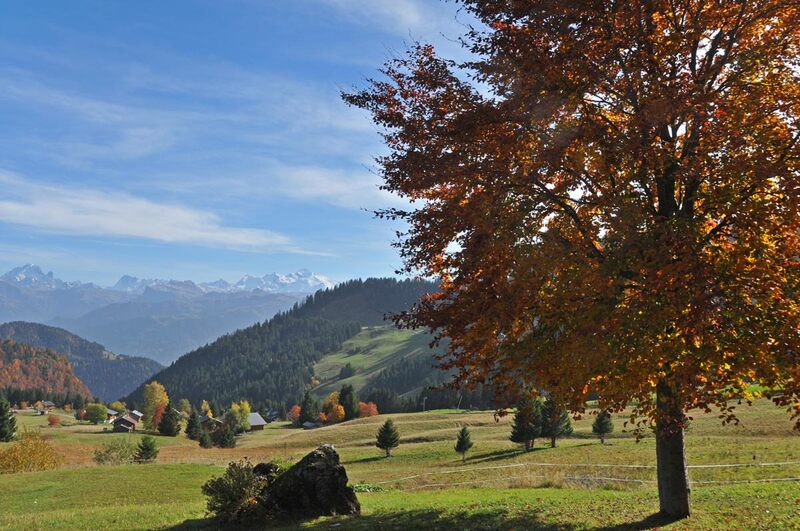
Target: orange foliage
x,y
158,414
368,409
54,421
25,367
294,414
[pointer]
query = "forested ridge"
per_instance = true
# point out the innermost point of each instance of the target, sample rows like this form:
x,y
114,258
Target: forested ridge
x,y
271,363
26,367
107,375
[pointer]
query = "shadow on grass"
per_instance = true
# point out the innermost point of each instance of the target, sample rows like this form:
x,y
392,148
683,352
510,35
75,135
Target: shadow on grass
x,y
366,460
653,521
498,455
417,519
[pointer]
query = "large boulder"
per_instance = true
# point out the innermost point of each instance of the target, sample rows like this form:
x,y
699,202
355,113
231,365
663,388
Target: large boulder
x,y
315,486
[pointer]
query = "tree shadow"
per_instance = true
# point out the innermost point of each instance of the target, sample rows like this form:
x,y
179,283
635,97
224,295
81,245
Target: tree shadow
x,y
653,521
365,460
498,455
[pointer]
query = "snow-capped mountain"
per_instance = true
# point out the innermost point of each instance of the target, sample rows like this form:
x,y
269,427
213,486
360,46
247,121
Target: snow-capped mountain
x,y
31,276
303,281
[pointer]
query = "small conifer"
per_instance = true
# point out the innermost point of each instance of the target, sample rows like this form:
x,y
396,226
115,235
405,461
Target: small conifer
x,y
147,450
8,424
603,425
387,437
463,443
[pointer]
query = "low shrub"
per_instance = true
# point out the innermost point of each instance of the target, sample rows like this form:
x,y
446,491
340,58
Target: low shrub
x,y
30,453
116,452
233,496
54,421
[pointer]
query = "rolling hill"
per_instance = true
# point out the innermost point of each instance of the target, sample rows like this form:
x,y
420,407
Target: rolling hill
x,y
26,367
272,363
108,375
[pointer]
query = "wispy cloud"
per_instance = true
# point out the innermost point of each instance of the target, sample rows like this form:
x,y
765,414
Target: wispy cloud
x,y
69,210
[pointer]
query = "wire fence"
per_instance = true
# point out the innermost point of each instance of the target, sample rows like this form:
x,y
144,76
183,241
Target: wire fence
x,y
586,479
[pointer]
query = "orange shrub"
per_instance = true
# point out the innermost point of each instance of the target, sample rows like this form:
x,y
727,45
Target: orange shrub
x,y
294,414
368,409
337,414
54,421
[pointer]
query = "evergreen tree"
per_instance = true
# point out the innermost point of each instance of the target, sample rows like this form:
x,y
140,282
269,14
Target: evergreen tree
x,y
603,425
205,439
463,443
555,422
170,424
527,423
8,424
147,451
193,427
224,437
309,409
387,437
349,401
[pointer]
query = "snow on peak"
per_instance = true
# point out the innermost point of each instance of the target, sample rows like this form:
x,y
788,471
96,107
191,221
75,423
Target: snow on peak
x,y
32,276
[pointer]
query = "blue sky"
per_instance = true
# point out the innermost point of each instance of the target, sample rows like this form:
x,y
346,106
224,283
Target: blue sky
x,y
198,140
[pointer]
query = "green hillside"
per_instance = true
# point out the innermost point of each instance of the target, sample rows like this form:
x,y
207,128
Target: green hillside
x,y
370,352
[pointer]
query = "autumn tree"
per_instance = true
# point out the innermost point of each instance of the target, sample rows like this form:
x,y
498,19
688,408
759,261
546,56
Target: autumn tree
x,y
118,406
154,396
367,409
294,414
184,406
206,409
609,194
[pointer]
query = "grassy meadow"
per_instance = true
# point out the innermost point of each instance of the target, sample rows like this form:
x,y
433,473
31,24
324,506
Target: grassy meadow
x,y
425,485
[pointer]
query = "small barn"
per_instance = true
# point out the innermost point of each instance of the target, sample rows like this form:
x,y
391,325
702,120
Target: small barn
x,y
256,421
125,424
112,414
136,415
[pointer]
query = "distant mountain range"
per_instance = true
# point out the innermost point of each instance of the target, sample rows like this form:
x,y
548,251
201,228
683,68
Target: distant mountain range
x,y
303,281
108,375
154,318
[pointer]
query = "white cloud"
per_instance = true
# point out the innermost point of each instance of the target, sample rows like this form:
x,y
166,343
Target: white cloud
x,y
397,15
70,210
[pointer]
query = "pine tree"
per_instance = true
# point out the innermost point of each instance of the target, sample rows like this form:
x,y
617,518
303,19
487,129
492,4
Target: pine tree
x,y
349,401
309,409
387,437
205,439
603,425
527,423
8,424
463,443
170,424
224,437
147,451
555,422
193,427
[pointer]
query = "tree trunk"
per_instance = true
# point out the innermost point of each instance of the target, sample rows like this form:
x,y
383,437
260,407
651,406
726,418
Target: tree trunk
x,y
673,481
602,439
528,445
553,441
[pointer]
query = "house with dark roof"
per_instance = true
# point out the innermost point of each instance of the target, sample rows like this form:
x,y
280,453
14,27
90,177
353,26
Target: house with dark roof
x,y
136,415
112,414
256,421
125,424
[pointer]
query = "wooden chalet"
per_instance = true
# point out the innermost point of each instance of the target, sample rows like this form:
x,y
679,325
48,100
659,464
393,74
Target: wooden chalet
x,y
256,421
126,423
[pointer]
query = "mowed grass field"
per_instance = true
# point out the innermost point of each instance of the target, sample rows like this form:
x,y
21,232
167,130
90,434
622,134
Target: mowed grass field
x,y
425,485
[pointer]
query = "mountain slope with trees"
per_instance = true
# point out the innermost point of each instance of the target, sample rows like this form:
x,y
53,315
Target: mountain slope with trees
x,y
272,363
26,367
107,375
